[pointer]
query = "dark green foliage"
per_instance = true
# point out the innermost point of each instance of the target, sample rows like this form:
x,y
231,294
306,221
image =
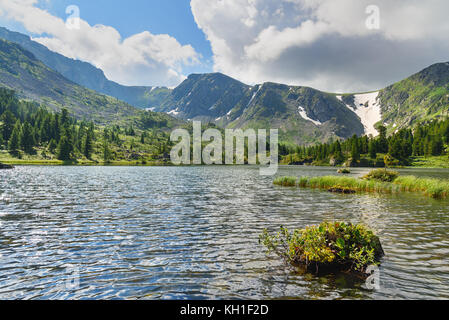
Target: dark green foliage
x,y
382,175
65,149
106,151
88,145
39,132
8,121
14,141
333,246
424,140
27,141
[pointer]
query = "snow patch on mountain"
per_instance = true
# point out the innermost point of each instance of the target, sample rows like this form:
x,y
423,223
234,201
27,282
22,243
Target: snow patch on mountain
x,y
304,115
367,107
174,112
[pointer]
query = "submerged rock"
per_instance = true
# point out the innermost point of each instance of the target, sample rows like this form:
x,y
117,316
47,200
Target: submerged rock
x,y
5,166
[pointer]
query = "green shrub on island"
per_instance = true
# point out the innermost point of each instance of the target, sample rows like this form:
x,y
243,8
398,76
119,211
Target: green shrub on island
x,y
344,171
286,181
382,175
330,246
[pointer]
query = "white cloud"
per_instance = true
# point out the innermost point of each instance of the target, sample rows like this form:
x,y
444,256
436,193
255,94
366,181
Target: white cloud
x,y
324,43
142,59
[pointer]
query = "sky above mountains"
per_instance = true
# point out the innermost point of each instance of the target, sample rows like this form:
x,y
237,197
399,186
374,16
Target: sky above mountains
x,y
332,45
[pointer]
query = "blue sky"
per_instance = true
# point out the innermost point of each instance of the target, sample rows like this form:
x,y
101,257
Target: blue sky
x,y
173,17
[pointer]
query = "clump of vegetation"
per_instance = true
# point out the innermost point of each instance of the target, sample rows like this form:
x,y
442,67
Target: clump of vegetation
x,y
344,171
330,246
435,188
382,175
286,181
342,190
358,185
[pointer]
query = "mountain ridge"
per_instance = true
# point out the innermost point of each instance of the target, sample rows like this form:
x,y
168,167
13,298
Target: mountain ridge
x,y
31,79
87,75
304,115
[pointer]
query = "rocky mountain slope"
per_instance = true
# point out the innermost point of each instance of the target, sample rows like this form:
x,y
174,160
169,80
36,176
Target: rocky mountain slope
x,y
87,75
33,80
303,115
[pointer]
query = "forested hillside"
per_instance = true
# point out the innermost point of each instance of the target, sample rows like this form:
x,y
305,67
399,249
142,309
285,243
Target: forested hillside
x,y
404,147
32,132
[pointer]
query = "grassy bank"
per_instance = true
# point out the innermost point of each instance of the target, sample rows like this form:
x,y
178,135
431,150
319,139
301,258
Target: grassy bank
x,y
18,162
430,162
434,188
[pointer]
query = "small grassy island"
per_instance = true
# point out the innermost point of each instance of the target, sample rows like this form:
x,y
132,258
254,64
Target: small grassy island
x,y
328,247
377,181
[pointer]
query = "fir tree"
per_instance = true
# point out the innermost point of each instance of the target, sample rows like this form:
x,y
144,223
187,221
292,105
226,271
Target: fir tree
x,y
27,140
14,140
65,149
8,121
88,146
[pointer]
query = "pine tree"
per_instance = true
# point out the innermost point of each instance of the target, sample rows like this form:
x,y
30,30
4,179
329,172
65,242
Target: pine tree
x,y
52,145
355,151
14,140
65,149
88,146
27,140
338,154
372,149
106,151
382,143
8,121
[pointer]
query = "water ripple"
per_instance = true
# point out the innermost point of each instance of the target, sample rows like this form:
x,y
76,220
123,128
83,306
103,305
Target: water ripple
x,y
191,233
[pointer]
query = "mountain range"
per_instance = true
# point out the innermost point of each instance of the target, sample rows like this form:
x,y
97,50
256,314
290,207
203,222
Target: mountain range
x,y
304,115
87,75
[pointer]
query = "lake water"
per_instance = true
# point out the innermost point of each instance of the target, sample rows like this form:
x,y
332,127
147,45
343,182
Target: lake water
x,y
192,233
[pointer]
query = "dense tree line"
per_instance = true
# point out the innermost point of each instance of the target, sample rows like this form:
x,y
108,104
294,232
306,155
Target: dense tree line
x,y
26,126
426,140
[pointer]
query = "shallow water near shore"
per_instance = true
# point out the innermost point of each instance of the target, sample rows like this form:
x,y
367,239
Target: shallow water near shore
x,y
192,233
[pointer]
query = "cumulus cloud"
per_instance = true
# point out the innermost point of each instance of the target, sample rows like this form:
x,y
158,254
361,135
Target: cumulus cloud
x,y
141,59
324,43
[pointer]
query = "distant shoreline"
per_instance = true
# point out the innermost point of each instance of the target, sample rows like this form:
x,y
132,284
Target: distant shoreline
x,y
57,163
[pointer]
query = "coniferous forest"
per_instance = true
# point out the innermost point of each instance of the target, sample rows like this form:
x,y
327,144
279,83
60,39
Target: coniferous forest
x,y
403,148
30,132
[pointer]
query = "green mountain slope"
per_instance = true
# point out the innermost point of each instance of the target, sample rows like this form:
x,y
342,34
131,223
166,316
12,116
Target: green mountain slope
x,y
423,96
87,75
33,80
303,115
